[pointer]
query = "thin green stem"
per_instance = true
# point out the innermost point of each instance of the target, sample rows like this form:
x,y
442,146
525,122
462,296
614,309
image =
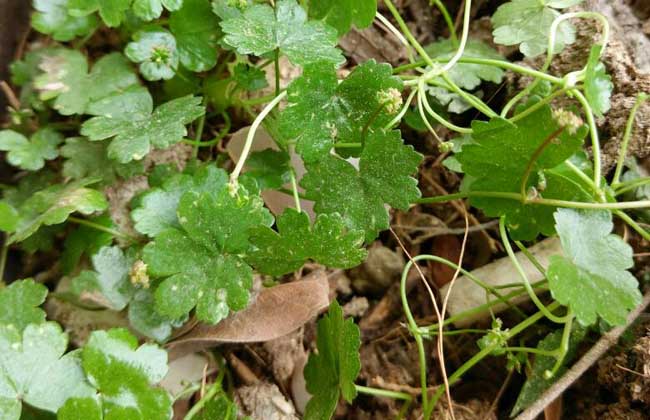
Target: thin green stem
x,y
564,345
371,119
536,201
102,228
422,97
593,132
392,29
517,329
402,111
537,105
634,225
257,101
533,350
470,99
407,32
276,60
524,277
630,185
531,258
212,392
531,162
4,251
222,133
294,190
251,136
199,130
629,126
448,20
376,392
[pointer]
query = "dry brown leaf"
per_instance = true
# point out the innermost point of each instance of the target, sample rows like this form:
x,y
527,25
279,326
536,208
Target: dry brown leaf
x,y
276,312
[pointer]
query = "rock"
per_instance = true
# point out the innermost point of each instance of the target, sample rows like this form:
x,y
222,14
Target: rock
x,y
382,268
265,401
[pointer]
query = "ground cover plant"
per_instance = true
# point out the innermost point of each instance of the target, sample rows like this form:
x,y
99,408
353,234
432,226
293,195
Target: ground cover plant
x,y
127,182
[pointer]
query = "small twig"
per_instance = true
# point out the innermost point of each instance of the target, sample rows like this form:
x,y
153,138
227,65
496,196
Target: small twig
x,y
9,93
495,402
634,372
606,341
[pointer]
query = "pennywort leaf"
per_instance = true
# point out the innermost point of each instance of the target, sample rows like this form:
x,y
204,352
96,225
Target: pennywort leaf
x,y
196,30
112,12
135,133
527,23
156,51
332,372
152,9
359,196
592,278
52,18
598,84
342,14
260,30
20,302
30,154
328,242
8,217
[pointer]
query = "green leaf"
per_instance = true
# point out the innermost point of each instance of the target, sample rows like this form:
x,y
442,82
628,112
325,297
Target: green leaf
x,y
80,409
33,369
52,18
249,78
86,159
328,242
125,375
219,408
537,383
27,186
54,204
322,112
592,278
598,84
112,12
229,9
528,23
196,30
271,169
135,133
342,14
359,196
20,303
200,262
30,154
109,283
466,76
260,30
156,51
332,372
497,160
157,210
65,77
85,240
144,318
148,10
8,217
23,74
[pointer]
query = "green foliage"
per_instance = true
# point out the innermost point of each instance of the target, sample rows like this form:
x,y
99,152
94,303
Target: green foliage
x,y
30,154
109,283
196,30
343,110
271,169
20,303
537,382
137,130
86,159
8,217
260,30
54,204
497,160
332,372
598,84
592,278
200,262
34,370
465,75
249,78
157,210
52,18
65,77
85,240
342,14
328,242
359,195
528,23
125,374
152,9
219,408
156,51
112,12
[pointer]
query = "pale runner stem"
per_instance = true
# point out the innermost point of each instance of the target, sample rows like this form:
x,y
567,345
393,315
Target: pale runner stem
x,y
593,132
393,30
629,126
251,136
461,48
422,99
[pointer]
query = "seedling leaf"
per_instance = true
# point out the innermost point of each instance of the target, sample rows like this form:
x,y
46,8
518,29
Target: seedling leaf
x,y
156,51
592,278
30,154
332,372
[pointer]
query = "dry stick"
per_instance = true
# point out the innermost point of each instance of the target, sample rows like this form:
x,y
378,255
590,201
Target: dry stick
x,y
606,341
9,93
439,348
